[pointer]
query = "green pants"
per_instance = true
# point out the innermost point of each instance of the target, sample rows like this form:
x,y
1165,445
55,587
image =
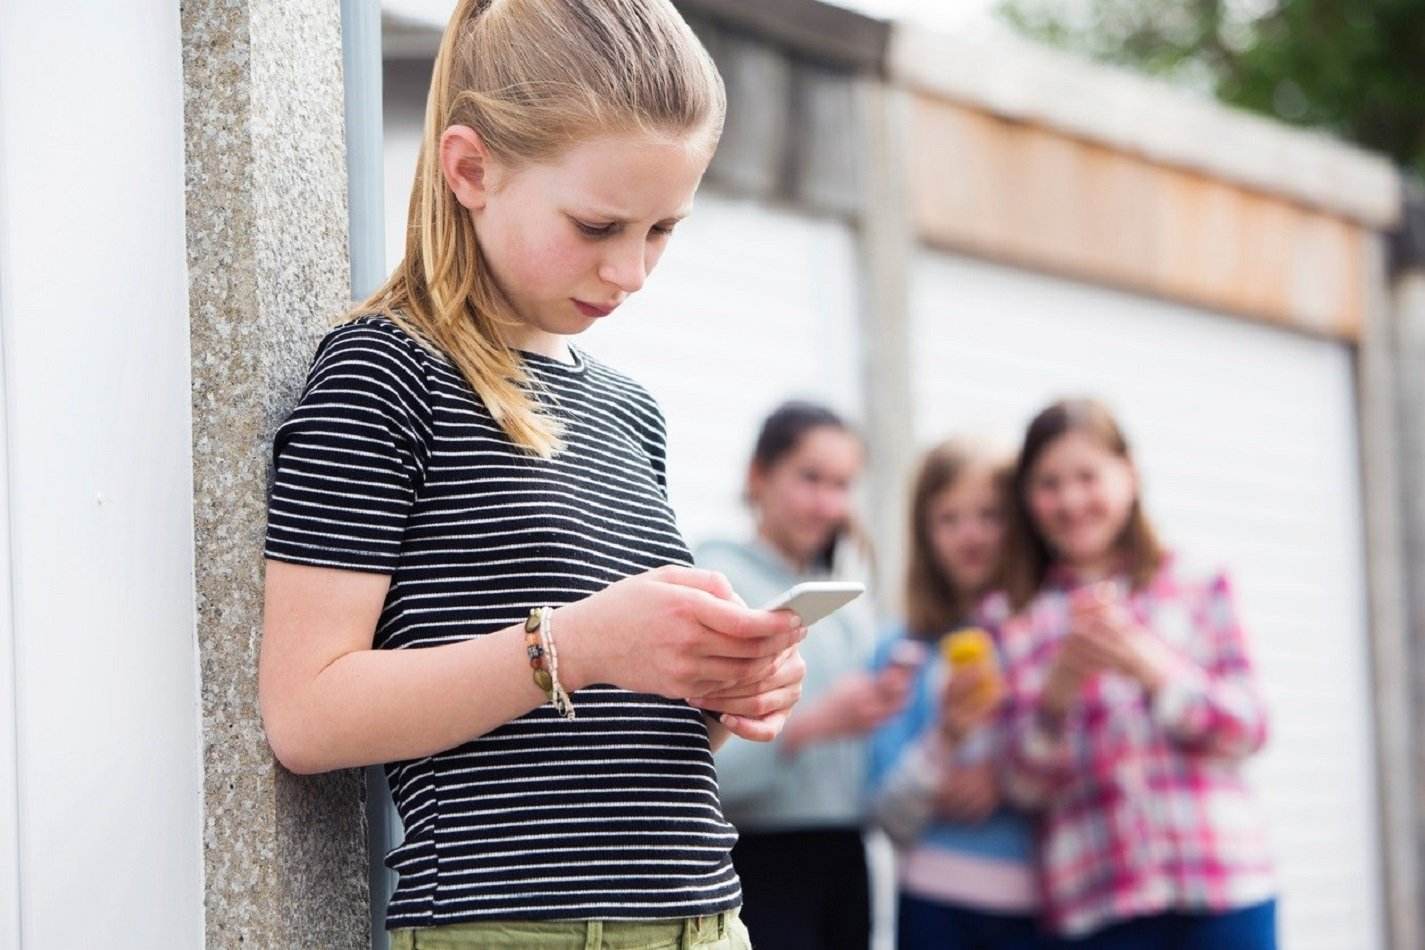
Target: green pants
x,y
723,931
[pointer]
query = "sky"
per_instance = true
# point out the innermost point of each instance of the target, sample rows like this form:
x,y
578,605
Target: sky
x,y
943,14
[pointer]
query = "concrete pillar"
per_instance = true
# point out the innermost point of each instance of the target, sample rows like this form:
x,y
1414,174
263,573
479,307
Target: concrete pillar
x,y
1408,320
284,857
1378,373
887,249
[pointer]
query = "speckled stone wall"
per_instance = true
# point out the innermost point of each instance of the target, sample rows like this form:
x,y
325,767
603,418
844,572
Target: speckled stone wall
x,y
285,859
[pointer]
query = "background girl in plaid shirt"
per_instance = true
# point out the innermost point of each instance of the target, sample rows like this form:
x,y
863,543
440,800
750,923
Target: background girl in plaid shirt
x,y
1132,705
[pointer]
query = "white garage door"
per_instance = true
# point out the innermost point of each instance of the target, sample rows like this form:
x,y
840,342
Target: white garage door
x,y
749,306
1247,438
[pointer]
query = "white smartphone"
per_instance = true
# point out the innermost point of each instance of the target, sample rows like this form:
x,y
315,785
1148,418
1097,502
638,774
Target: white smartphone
x,y
813,600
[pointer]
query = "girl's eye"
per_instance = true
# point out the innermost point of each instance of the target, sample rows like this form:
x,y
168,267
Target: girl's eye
x,y
663,230
594,230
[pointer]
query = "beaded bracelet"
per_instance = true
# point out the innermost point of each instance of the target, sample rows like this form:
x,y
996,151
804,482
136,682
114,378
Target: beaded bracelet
x,y
544,659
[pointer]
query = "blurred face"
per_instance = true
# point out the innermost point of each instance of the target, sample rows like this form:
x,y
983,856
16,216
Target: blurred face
x,y
805,497
966,530
571,239
1080,496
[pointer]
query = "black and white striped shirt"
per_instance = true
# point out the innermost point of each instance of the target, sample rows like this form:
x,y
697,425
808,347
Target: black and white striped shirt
x,y
390,463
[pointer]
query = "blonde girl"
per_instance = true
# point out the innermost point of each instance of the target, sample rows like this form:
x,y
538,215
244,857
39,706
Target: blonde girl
x,y
473,573
967,871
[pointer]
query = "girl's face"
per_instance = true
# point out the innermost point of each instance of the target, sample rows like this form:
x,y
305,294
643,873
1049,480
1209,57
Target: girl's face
x,y
804,498
1080,497
569,240
965,525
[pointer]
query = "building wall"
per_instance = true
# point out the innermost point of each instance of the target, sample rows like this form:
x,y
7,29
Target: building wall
x,y
751,305
1219,318
98,482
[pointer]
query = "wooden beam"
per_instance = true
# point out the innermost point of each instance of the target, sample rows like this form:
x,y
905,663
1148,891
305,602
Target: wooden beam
x,y
1032,196
814,30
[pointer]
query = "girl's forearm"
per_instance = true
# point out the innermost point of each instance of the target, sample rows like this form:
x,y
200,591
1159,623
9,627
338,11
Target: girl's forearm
x,y
374,706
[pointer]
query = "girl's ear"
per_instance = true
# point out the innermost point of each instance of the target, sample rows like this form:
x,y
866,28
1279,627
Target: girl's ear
x,y
1135,481
465,163
755,478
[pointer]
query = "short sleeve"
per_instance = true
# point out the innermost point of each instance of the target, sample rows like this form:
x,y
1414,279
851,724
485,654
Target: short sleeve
x,y
653,431
349,460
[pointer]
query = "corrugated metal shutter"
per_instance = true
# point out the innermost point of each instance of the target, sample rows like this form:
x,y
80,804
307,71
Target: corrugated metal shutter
x,y
1247,439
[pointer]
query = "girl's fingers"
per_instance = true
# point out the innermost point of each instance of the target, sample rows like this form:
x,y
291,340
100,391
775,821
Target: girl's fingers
x,y
731,620
720,645
758,706
710,582
755,730
785,671
711,673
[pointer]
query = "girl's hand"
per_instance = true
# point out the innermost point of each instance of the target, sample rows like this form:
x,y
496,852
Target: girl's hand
x,y
676,631
969,696
1117,641
1076,661
968,794
758,711
858,703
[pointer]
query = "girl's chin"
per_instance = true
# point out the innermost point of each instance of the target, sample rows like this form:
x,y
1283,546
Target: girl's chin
x,y
1085,552
812,545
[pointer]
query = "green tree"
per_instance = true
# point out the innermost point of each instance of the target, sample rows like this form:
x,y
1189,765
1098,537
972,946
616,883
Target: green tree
x,y
1352,67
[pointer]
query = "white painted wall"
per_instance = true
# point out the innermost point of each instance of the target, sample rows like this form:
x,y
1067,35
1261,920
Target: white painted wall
x,y
93,319
1247,438
749,306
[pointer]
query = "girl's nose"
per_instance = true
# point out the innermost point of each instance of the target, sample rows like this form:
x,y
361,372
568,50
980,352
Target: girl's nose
x,y
625,267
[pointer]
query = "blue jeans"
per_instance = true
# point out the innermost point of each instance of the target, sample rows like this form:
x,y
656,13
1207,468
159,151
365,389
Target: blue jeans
x,y
930,925
1248,928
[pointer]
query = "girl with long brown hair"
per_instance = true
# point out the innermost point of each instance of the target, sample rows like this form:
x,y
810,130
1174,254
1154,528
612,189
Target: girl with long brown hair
x,y
797,801
1133,706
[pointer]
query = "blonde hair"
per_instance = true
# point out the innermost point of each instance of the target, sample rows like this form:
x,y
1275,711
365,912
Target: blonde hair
x,y
533,78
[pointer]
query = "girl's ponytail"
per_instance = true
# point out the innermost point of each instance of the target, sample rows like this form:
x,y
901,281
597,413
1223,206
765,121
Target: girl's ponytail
x,y
532,78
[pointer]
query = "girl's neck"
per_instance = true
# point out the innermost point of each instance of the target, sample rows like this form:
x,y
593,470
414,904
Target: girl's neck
x,y
798,564
969,599
1090,570
540,342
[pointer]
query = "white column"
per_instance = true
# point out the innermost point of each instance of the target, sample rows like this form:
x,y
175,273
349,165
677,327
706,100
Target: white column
x,y
94,323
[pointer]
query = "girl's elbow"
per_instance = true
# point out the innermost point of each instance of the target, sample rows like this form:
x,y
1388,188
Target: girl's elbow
x,y
291,744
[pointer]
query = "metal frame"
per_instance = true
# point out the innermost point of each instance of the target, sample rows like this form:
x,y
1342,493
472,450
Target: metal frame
x,y
810,28
365,167
9,698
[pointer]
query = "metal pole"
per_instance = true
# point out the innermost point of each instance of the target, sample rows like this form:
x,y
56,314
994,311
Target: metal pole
x,y
361,63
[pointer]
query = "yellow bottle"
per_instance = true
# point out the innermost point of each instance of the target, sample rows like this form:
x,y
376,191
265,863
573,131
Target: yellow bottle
x,y
969,647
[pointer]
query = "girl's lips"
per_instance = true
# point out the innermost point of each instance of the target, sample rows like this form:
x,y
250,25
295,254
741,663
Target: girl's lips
x,y
593,310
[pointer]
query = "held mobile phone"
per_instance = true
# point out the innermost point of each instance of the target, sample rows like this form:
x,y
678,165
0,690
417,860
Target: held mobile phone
x,y
813,600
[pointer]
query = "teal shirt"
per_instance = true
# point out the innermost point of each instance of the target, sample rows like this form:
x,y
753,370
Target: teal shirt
x,y
824,784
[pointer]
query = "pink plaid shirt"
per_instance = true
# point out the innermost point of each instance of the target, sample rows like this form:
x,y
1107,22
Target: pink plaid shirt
x,y
1143,803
